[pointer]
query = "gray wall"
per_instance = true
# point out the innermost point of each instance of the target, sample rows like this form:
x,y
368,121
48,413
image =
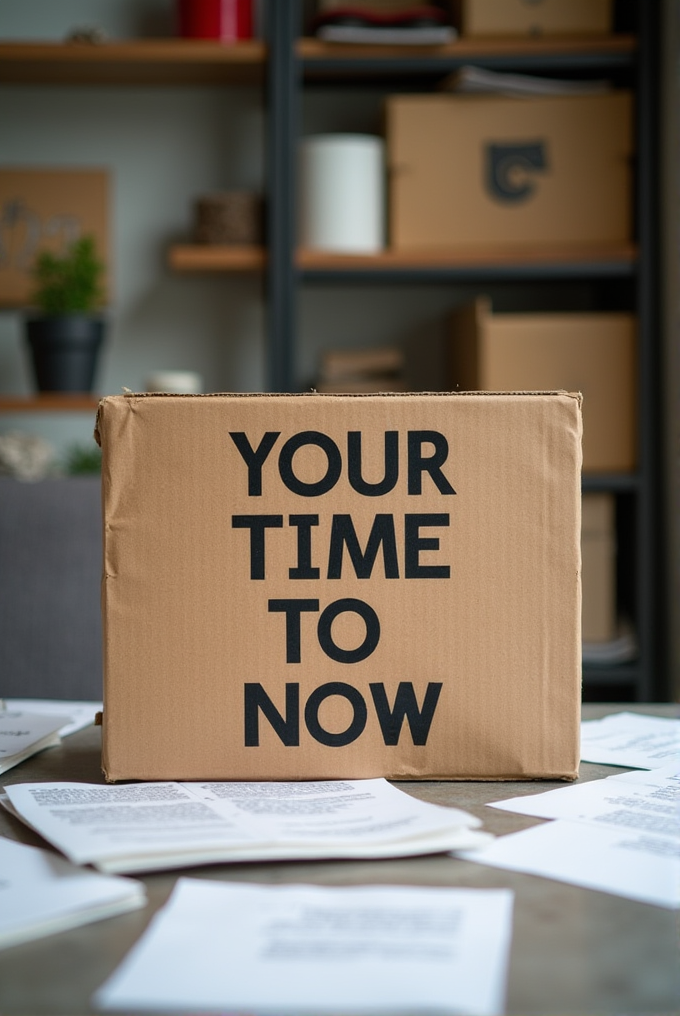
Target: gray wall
x,y
162,147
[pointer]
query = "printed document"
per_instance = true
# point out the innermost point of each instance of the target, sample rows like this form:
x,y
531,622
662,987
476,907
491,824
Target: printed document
x,y
147,826
25,734
619,835
76,715
41,893
229,947
647,808
612,859
631,739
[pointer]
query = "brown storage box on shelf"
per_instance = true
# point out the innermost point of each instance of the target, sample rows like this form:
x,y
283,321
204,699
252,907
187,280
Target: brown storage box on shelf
x,y
590,353
538,17
320,586
598,550
473,173
377,369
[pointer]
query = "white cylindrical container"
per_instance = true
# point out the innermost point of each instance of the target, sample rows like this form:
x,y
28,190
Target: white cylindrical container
x,y
342,193
175,382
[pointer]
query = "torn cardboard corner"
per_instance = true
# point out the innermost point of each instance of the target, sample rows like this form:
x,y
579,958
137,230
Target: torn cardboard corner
x,y
324,587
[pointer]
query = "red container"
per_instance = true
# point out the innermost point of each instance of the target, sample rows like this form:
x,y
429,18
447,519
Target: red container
x,y
226,20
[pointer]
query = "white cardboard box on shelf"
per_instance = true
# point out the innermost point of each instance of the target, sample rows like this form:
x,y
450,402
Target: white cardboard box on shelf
x,y
325,587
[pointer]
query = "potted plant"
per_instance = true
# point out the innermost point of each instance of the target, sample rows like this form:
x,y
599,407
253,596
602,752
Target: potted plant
x,y
66,335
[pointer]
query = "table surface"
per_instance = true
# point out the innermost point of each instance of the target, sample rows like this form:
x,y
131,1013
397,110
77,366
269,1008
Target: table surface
x,y
573,950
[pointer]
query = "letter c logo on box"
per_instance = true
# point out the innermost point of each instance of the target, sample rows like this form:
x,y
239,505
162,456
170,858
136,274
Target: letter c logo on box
x,y
509,169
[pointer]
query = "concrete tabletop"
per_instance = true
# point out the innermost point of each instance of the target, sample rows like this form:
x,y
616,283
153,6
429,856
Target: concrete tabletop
x,y
574,951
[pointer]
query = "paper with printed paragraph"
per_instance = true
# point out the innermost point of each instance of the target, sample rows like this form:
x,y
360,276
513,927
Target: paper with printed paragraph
x,y
306,949
620,835
631,739
148,826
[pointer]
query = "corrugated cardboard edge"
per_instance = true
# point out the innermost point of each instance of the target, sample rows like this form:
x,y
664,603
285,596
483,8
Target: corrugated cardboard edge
x,y
131,396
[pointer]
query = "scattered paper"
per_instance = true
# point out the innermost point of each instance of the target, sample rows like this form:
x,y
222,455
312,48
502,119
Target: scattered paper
x,y
25,734
649,808
636,865
234,947
41,894
76,715
619,835
666,776
148,826
631,739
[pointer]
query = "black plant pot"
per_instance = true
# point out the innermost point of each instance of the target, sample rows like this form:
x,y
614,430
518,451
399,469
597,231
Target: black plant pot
x,y
65,349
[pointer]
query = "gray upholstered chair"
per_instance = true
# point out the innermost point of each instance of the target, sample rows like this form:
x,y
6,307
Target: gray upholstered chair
x,y
50,570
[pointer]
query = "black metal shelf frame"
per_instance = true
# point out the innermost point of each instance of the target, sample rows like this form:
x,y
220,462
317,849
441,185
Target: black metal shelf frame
x,y
288,74
481,274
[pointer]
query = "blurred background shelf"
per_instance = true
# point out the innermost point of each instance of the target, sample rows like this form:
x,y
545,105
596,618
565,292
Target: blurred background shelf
x,y
322,60
216,258
174,118
137,62
48,402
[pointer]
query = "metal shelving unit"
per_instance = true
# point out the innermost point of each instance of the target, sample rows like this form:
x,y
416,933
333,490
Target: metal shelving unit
x,y
296,63
627,277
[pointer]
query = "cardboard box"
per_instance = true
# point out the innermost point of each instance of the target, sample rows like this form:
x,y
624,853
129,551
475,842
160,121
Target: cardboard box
x,y
598,551
45,209
319,586
536,17
591,353
479,172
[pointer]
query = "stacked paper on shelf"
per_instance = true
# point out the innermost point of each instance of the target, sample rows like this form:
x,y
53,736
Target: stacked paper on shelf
x,y
150,826
479,80
41,894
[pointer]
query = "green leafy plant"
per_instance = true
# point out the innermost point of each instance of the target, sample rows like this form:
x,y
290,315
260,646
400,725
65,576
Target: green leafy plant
x,y
69,283
83,459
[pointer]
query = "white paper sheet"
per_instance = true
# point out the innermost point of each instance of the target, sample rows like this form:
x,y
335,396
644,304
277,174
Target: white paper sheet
x,y
25,734
297,949
647,808
76,714
41,893
666,776
631,739
146,826
635,865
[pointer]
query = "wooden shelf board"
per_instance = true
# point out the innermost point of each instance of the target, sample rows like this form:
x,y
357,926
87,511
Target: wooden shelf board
x,y
138,62
49,402
215,258
473,48
188,61
424,258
